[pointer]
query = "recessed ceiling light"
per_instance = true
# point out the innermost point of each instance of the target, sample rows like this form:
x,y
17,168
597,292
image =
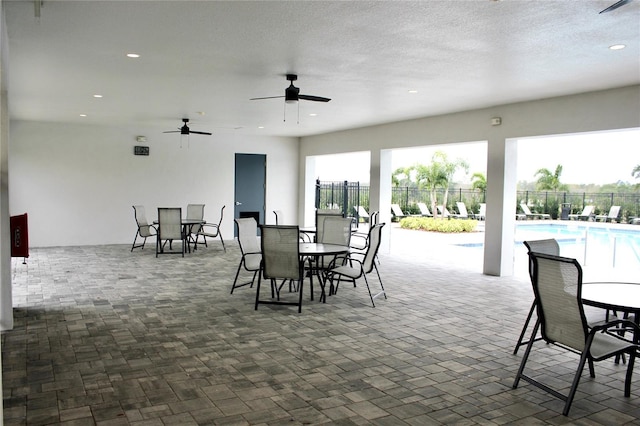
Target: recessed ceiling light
x,y
97,96
83,115
617,47
132,55
413,91
260,127
313,114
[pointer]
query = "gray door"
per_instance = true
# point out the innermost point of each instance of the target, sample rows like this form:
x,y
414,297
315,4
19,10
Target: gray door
x,y
250,187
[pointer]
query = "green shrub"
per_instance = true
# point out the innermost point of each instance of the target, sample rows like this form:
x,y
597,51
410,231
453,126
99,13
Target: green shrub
x,y
439,225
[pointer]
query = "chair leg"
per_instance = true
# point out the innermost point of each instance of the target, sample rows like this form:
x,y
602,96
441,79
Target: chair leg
x,y
526,354
576,380
524,329
258,291
627,380
223,246
237,275
380,280
300,296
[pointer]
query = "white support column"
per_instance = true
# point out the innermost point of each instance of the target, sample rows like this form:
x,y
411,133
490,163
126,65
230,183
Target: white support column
x,y
380,192
501,204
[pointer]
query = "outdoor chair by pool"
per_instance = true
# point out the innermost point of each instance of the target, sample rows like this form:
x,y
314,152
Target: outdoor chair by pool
x,y
557,283
354,268
397,211
482,214
444,212
614,212
250,249
144,229
361,213
211,230
281,262
424,210
462,210
170,229
548,246
529,215
587,214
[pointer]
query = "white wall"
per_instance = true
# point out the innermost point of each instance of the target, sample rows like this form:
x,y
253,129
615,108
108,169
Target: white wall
x,y
78,182
587,112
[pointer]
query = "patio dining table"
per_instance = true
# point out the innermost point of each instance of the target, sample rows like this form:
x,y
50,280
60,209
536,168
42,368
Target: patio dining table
x,y
616,296
315,251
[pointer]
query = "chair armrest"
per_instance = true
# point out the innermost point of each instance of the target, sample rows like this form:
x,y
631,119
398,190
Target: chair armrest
x,y
209,230
616,328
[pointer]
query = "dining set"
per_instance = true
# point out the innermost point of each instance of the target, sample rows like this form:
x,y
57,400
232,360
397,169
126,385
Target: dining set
x,y
171,226
286,256
565,316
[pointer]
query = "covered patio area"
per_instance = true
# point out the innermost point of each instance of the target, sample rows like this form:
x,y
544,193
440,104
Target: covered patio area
x,y
109,337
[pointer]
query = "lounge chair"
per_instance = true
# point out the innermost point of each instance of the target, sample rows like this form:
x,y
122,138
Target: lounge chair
x,y
482,214
529,214
614,212
361,213
444,212
397,211
587,214
462,210
424,210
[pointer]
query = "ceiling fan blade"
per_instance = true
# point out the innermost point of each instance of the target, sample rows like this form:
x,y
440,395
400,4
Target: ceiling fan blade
x,y
200,133
313,98
268,97
172,131
615,6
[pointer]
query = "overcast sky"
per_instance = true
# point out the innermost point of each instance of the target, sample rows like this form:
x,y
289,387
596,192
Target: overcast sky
x,y
596,158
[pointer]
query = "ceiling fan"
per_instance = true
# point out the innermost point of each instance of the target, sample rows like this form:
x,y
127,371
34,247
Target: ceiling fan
x,y
292,93
184,130
615,5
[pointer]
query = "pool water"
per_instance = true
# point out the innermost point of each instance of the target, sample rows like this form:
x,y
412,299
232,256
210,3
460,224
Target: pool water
x,y
596,245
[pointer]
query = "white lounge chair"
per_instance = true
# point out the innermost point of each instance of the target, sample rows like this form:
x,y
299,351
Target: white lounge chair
x,y
424,210
614,212
529,214
462,210
397,211
587,214
482,214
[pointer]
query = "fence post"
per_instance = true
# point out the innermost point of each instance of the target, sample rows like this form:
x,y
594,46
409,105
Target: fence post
x,y
318,193
345,199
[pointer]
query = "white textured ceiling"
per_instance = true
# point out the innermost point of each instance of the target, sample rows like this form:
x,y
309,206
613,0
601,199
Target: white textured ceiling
x,y
213,56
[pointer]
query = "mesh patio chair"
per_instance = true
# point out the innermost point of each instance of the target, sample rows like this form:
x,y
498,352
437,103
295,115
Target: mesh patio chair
x,y
170,229
194,212
280,262
557,283
144,229
354,268
550,246
547,246
321,215
250,249
210,230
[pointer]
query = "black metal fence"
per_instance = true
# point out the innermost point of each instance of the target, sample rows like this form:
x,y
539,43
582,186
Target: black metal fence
x,y
347,195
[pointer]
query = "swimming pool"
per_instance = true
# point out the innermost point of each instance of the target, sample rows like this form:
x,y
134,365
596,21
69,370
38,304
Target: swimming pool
x,y
599,245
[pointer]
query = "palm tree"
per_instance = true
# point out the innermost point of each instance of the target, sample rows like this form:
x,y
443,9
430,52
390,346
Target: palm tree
x,y
479,182
549,181
636,172
438,175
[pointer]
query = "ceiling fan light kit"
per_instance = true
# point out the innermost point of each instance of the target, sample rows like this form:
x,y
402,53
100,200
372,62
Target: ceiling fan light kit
x,y
292,95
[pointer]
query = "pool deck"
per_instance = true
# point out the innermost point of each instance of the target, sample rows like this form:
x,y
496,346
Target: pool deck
x,y
449,250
